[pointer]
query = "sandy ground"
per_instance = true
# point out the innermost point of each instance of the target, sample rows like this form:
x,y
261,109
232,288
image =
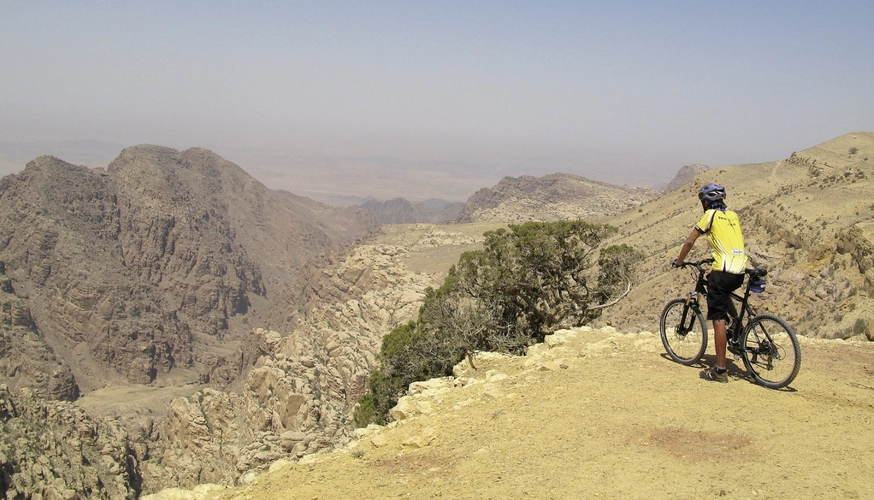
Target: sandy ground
x,y
608,415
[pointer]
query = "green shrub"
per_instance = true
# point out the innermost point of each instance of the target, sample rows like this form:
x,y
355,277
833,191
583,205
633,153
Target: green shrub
x,y
527,281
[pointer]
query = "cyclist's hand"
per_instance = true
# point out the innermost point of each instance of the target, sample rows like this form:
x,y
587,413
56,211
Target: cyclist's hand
x,y
674,263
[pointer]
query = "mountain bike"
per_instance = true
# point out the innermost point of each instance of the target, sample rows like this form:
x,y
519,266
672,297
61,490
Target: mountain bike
x,y
766,344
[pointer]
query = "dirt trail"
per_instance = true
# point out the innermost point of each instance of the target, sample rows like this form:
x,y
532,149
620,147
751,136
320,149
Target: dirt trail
x,y
607,415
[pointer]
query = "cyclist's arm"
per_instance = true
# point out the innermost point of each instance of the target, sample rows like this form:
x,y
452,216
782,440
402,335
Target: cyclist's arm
x,y
687,246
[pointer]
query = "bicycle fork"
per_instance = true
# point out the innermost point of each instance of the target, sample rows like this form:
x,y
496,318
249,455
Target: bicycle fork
x,y
691,304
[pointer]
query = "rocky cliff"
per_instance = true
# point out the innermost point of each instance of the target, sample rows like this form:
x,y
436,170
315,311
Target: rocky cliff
x,y
26,360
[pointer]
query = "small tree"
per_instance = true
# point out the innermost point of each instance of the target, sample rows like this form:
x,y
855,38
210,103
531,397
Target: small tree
x,y
539,276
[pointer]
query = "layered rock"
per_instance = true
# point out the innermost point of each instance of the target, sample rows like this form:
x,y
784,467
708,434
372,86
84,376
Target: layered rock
x,y
153,271
25,358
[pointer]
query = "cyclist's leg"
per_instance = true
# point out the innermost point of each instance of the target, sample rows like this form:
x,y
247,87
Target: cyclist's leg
x,y
720,339
719,304
732,312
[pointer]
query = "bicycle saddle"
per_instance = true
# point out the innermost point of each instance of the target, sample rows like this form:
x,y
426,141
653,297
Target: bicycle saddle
x,y
757,273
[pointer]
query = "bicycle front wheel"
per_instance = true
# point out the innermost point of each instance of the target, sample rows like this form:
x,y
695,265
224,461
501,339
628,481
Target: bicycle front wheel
x,y
683,331
771,351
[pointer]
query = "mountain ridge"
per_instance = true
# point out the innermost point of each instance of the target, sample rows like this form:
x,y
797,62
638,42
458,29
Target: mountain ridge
x,y
552,197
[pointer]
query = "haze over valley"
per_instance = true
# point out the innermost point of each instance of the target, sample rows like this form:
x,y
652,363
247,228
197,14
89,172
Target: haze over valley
x,y
342,101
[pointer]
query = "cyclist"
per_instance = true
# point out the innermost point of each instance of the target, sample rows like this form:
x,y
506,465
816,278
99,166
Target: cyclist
x,y
723,231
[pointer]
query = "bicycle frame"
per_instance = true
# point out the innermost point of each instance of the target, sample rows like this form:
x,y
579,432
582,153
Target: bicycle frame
x,y
736,314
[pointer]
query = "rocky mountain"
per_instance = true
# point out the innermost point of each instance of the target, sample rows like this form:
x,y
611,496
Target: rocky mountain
x,y
685,175
132,271
549,198
296,384
402,211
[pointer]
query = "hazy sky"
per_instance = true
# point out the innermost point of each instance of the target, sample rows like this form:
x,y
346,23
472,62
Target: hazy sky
x,y
624,89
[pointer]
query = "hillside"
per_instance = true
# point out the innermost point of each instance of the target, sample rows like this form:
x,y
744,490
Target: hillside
x,y
601,414
648,227
808,219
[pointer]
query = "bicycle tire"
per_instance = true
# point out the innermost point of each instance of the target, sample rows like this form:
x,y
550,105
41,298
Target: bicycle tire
x,y
685,343
771,351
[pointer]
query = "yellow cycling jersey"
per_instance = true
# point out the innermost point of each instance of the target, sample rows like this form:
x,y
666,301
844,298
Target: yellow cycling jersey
x,y
726,240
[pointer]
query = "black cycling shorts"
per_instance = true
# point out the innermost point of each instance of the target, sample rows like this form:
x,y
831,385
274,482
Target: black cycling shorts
x,y
719,287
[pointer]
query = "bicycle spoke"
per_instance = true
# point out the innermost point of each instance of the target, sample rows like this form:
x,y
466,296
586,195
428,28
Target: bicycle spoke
x,y
683,332
771,351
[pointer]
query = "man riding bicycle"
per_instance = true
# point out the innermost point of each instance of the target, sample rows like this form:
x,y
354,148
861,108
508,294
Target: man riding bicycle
x,y
723,231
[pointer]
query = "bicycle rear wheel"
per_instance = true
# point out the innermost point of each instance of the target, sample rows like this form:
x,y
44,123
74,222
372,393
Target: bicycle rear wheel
x,y
771,351
683,331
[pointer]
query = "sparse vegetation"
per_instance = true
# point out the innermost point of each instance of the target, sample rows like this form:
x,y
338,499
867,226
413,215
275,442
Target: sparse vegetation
x,y
525,283
854,150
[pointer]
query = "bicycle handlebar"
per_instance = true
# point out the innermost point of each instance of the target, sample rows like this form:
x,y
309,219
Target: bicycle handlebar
x,y
754,273
696,264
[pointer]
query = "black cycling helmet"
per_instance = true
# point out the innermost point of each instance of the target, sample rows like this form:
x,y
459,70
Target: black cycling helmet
x,y
711,193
